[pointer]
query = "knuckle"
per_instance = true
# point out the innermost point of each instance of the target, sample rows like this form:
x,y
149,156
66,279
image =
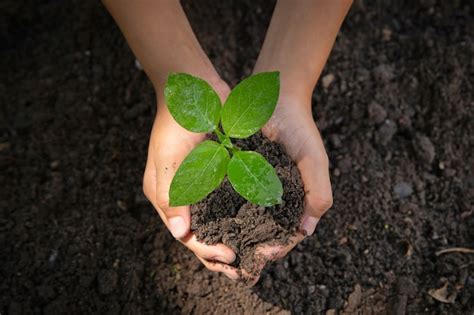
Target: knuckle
x,y
162,202
270,130
325,204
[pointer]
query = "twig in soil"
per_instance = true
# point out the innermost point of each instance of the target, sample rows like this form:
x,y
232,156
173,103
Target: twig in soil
x,y
455,250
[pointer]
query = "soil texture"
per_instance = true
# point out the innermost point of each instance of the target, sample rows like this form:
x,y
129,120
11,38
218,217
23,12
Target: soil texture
x,y
394,106
226,217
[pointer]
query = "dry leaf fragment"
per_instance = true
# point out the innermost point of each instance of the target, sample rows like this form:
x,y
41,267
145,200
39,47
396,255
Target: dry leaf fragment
x,y
442,294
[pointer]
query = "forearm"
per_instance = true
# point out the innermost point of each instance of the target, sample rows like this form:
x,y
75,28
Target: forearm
x,y
161,38
299,40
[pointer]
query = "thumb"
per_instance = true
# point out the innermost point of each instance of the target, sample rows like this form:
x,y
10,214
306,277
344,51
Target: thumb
x,y
177,219
169,145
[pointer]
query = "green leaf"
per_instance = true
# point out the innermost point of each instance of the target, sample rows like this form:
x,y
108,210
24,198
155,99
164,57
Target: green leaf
x,y
200,173
254,178
251,104
192,102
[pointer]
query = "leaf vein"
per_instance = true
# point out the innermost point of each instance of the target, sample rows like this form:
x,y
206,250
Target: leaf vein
x,y
202,172
251,173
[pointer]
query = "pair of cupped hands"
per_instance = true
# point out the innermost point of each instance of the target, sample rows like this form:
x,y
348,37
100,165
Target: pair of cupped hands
x,y
292,125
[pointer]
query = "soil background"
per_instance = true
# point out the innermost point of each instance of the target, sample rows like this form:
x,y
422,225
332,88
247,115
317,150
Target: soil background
x,y
394,105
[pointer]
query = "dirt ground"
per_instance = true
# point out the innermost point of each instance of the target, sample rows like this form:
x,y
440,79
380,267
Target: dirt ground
x,y
395,107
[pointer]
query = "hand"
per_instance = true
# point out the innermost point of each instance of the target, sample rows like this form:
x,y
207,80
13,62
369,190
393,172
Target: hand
x,y
293,126
169,145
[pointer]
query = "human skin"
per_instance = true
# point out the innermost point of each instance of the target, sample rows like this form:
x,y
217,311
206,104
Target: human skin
x,y
298,42
160,36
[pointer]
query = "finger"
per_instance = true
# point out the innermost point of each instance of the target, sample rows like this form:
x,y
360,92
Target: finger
x,y
306,148
149,189
227,270
169,150
314,168
218,252
211,253
272,252
178,227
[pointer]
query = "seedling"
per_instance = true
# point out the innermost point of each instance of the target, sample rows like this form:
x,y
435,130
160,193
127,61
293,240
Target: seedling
x,y
196,106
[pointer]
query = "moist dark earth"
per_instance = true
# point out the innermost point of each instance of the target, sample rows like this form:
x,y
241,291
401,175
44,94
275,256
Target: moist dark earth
x,y
225,217
394,106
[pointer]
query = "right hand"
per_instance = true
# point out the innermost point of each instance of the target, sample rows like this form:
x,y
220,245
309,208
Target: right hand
x,y
169,145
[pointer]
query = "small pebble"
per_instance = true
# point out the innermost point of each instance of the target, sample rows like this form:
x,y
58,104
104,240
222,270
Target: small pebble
x,y
52,260
345,165
377,113
327,80
384,73
138,65
122,205
386,132
424,149
386,34
335,140
403,190
450,172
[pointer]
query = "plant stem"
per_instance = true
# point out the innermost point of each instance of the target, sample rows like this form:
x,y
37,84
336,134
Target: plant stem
x,y
219,134
224,139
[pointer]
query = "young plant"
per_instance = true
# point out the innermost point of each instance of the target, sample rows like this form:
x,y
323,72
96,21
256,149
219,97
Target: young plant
x,y
196,106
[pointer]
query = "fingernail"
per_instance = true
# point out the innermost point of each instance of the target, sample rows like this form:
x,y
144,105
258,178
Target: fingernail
x,y
178,227
309,225
226,259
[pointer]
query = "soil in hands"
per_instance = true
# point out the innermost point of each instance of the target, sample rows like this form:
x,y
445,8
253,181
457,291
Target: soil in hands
x,y
225,217
394,108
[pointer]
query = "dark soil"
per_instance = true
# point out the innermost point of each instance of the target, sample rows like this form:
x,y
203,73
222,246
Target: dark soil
x,y
225,217
395,111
